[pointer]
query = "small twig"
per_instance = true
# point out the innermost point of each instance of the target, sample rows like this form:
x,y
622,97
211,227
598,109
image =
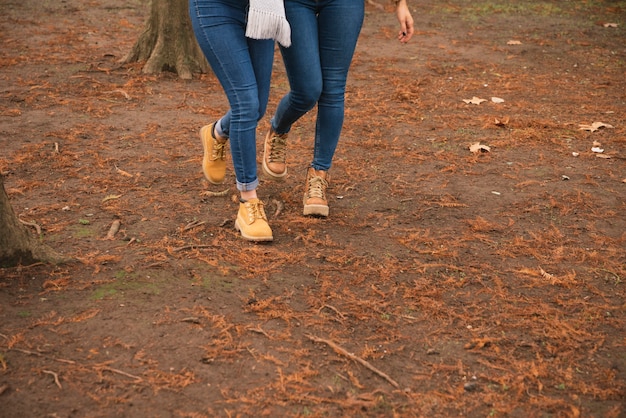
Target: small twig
x,y
30,353
4,388
123,373
115,226
279,207
122,172
39,263
92,68
259,330
332,308
111,197
192,247
209,193
34,353
33,224
122,92
344,352
154,265
60,360
192,225
56,377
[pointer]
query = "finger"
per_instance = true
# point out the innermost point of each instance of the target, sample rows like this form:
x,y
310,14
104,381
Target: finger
x,y
404,35
408,30
403,30
408,35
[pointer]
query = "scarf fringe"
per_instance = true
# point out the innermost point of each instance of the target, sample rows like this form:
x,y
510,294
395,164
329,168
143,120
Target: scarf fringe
x,y
266,25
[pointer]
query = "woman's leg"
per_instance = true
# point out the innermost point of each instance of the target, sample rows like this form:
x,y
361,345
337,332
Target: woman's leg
x,y
339,23
302,63
243,66
323,42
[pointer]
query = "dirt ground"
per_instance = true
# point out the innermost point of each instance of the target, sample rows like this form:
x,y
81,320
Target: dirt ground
x,y
445,282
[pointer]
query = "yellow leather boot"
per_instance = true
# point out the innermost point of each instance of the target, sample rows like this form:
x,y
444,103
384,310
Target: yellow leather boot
x,y
252,222
213,162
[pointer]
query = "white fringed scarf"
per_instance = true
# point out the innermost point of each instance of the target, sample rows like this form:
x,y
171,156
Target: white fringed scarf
x,y
266,20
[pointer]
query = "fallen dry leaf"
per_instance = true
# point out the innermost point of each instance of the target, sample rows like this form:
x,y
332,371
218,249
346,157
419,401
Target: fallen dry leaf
x,y
610,25
474,100
503,122
497,100
477,147
594,126
513,42
546,275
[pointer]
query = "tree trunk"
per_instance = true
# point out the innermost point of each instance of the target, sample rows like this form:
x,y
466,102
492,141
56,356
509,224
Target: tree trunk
x,y
17,246
168,42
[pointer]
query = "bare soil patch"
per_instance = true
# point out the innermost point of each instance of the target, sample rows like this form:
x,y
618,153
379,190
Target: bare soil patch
x,y
444,282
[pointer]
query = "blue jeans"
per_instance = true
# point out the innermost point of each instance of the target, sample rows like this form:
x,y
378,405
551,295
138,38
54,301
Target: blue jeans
x,y
243,67
324,34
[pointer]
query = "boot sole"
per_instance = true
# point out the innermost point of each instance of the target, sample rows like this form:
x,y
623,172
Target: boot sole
x,y
315,210
252,238
206,156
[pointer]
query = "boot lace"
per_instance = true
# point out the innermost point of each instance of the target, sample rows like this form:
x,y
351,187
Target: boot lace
x,y
278,147
255,211
317,187
219,148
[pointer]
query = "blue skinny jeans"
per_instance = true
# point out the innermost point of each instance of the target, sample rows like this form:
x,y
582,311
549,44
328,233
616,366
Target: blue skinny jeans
x,y
243,67
324,34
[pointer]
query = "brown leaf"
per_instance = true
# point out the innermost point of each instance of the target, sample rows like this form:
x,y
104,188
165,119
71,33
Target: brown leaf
x,y
474,100
477,147
503,122
594,126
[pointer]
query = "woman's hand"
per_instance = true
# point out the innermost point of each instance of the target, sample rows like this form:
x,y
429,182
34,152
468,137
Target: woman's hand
x,y
406,21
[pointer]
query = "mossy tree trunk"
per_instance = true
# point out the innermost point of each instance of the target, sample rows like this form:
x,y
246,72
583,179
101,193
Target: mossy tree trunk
x,y
17,245
168,43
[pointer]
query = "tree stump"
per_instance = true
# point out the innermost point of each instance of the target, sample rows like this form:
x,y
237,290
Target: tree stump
x,y
17,246
168,42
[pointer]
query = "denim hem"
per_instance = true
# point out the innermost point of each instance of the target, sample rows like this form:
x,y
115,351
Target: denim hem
x,y
246,187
